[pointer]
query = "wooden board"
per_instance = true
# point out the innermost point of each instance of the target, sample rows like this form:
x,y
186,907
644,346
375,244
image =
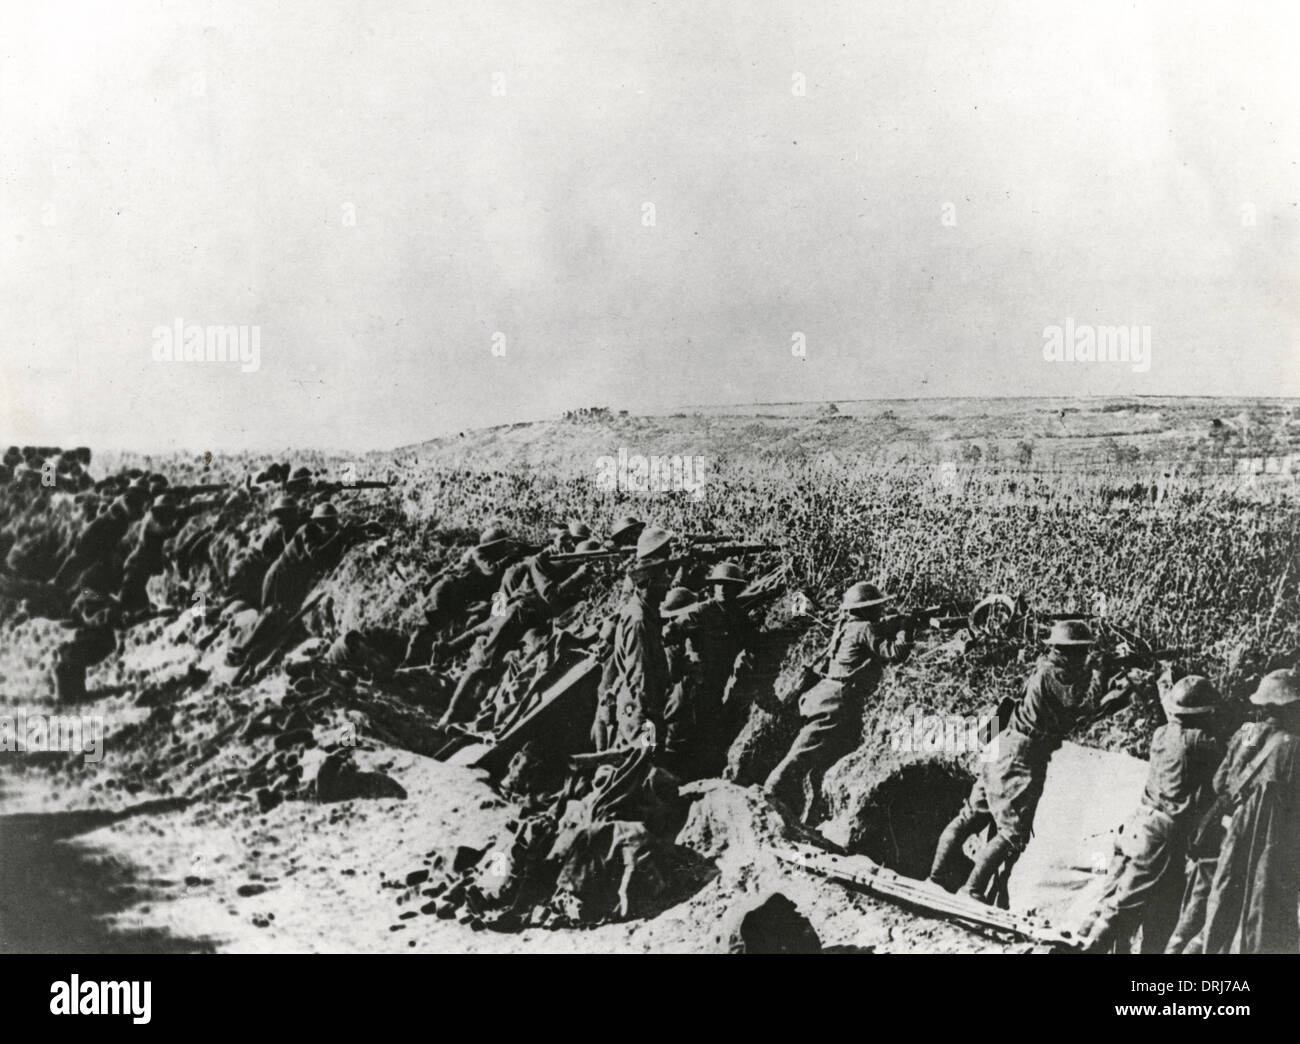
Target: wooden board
x,y
860,872
561,720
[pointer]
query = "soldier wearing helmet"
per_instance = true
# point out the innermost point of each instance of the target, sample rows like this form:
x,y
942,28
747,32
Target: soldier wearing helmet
x,y
625,531
472,580
533,592
94,615
634,687
1066,684
1251,904
831,711
716,631
1145,882
94,556
148,556
312,551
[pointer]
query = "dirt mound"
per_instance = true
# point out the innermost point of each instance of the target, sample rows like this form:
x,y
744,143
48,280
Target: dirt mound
x,y
735,827
893,809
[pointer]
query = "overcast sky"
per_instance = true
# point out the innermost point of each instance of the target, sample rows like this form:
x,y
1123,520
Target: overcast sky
x,y
382,188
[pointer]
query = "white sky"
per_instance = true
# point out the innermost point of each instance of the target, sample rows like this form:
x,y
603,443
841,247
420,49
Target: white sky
x,y
195,160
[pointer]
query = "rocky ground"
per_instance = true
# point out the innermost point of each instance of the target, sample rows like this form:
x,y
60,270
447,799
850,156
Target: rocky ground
x,y
203,829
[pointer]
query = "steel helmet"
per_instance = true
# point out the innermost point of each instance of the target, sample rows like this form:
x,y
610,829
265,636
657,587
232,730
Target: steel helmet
x,y
653,543
863,595
493,536
677,601
579,530
626,529
325,512
164,502
589,545
1277,689
1190,696
284,505
1070,632
728,573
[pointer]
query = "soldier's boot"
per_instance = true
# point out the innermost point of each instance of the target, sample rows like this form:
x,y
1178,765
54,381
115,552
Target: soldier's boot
x,y
948,852
987,863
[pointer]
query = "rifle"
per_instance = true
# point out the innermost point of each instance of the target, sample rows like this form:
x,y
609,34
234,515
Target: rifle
x,y
707,538
925,618
344,487
716,554
592,556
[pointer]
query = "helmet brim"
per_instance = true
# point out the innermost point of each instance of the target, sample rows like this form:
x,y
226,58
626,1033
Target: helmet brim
x,y
868,603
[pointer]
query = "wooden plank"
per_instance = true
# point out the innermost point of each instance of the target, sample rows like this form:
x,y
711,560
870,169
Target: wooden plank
x,y
562,719
861,872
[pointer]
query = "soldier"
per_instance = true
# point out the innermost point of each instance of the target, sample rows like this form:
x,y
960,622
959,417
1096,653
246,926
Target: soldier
x,y
146,558
473,579
831,710
682,711
1251,907
565,538
249,565
533,592
97,547
314,549
1006,794
719,631
625,532
635,687
520,669
93,614
1145,882
300,481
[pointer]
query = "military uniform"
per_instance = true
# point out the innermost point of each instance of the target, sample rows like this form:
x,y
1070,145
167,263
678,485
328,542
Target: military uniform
x,y
1006,794
1251,907
92,641
311,551
97,548
1146,878
532,592
716,633
474,578
638,675
831,711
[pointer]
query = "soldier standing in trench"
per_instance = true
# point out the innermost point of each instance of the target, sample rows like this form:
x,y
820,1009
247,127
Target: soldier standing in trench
x,y
717,631
1251,906
1057,696
831,710
634,689
1145,882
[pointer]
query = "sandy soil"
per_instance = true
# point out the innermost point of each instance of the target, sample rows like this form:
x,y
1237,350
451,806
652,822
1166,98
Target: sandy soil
x,y
103,858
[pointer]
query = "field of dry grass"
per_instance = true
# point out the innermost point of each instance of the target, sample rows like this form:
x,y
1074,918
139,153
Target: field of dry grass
x,y
1141,514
